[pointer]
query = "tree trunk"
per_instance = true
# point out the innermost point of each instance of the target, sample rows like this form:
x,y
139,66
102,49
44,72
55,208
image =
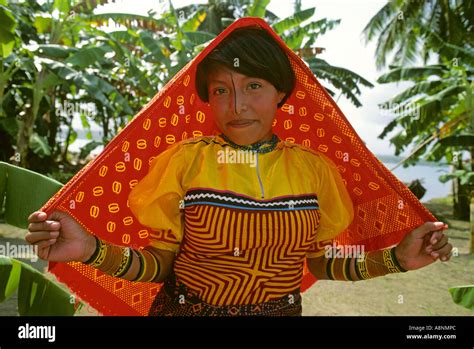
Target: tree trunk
x,y
68,135
471,246
24,134
461,196
471,236
26,126
461,201
53,123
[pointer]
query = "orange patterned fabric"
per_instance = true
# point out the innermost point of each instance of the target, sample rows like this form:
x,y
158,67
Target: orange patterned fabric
x,y
97,197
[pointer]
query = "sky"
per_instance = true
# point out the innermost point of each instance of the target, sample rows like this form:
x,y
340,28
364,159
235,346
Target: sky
x,y
344,47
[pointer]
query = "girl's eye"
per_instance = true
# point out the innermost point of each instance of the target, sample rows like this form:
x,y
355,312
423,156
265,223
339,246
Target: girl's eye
x,y
254,85
219,91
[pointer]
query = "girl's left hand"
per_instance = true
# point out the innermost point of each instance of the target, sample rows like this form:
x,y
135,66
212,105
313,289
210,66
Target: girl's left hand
x,y
423,246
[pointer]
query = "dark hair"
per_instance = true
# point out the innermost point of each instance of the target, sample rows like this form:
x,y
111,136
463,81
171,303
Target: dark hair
x,y
259,56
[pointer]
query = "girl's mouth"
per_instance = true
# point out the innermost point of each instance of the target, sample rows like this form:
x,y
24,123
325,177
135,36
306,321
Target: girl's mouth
x,y
240,123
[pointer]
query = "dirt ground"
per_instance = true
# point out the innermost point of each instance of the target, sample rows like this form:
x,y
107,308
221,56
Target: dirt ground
x,y
422,292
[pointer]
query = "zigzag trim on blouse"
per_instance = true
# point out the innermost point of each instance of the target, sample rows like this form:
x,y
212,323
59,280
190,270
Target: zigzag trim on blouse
x,y
212,197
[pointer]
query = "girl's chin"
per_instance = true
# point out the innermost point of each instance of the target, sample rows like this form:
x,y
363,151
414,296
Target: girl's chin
x,y
244,139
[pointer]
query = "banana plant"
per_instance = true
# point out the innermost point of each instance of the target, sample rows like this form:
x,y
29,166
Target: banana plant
x,y
22,192
434,116
405,31
73,59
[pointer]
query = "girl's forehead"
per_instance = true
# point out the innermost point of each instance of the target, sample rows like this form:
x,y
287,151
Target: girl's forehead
x,y
225,74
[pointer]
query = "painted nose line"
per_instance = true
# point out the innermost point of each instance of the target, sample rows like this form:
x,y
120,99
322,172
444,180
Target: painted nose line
x,y
235,96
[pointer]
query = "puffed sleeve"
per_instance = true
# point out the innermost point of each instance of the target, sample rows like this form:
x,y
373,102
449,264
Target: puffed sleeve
x,y
155,200
335,204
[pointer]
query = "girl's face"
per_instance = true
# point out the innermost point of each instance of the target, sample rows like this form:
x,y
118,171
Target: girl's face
x,y
243,107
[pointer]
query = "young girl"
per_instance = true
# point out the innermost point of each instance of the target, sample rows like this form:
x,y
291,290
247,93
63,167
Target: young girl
x,y
234,216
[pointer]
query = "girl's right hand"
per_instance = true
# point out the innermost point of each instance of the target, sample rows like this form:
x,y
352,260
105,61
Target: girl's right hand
x,y
59,237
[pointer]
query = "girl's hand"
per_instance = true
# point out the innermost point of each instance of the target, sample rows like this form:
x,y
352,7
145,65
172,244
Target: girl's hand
x,y
423,246
59,237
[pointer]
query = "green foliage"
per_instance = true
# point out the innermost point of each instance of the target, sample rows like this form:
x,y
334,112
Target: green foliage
x,y
37,295
9,276
7,36
23,192
407,30
293,21
435,115
60,64
343,79
257,9
465,177
463,296
39,145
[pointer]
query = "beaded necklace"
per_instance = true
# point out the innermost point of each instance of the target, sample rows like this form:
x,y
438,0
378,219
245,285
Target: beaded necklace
x,y
260,147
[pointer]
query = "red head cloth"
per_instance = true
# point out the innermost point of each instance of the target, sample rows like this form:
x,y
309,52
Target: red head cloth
x,y
384,209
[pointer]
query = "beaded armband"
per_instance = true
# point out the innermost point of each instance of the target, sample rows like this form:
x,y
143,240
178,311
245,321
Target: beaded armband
x,y
116,261
110,259
149,266
339,269
367,266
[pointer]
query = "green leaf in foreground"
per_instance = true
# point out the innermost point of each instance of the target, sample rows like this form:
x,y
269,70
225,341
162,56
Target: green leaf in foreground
x,y
37,295
9,277
463,296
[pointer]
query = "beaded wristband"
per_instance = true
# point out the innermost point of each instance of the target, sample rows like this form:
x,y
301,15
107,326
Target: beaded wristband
x,y
370,265
396,262
98,252
112,260
361,268
384,262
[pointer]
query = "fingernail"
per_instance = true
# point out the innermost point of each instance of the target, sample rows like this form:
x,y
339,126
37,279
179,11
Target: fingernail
x,y
54,234
443,259
55,225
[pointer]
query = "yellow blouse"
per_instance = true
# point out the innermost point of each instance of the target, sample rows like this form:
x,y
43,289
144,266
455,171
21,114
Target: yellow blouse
x,y
240,222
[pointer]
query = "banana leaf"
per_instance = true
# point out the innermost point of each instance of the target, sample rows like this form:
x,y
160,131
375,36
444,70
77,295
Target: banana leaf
x,y
293,21
9,277
463,296
23,192
37,295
